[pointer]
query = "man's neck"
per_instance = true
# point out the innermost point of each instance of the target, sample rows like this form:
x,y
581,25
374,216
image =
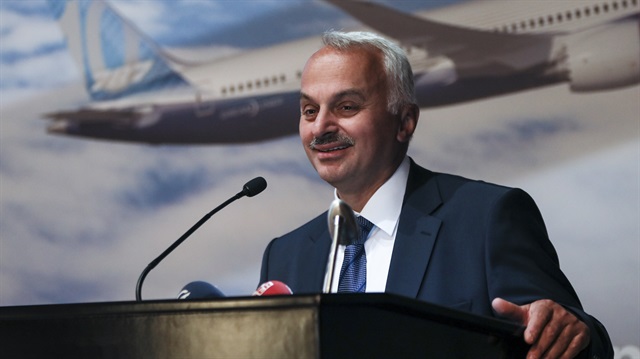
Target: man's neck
x,y
358,196
358,200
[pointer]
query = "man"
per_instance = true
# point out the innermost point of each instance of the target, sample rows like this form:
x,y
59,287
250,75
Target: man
x,y
440,238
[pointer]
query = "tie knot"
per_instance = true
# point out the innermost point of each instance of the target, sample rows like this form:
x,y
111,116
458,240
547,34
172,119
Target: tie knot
x,y
364,227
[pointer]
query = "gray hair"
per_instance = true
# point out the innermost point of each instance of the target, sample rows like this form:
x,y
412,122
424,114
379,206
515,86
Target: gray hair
x,y
396,64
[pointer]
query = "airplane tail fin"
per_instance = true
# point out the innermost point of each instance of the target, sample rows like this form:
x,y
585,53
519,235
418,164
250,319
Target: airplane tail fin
x,y
116,58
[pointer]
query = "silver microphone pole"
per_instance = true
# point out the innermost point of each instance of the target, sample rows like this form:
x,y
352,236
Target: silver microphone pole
x,y
343,230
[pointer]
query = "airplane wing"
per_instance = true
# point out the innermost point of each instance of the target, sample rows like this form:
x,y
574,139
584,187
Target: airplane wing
x,y
474,52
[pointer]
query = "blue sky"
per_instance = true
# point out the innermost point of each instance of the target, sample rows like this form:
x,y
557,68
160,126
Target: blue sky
x,y
80,219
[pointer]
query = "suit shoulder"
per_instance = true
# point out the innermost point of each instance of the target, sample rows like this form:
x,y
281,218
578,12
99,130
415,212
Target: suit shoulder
x,y
450,186
450,183
314,226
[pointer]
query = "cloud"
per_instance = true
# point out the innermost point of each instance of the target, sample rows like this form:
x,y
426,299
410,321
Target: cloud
x,y
32,54
24,33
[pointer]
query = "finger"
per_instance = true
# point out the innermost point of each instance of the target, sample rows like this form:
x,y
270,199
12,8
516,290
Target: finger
x,y
580,340
566,345
510,310
540,315
553,341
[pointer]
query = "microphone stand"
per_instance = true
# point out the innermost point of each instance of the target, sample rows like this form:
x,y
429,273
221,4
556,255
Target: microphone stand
x,y
337,223
175,244
342,227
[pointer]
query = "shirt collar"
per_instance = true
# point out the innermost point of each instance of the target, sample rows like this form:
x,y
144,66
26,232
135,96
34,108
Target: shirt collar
x,y
384,207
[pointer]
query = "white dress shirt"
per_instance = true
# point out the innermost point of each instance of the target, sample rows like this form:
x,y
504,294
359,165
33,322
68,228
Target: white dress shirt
x,y
383,210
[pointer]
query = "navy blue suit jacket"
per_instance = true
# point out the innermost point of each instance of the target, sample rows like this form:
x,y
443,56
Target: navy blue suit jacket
x,y
460,243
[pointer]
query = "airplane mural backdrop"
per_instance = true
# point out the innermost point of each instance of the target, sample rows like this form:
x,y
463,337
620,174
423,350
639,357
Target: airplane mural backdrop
x,y
541,95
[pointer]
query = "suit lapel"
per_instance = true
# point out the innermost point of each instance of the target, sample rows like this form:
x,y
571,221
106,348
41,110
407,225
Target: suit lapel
x,y
417,233
314,259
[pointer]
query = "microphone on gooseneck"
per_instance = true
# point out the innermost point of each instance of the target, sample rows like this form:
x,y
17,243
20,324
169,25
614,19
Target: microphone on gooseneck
x,y
250,189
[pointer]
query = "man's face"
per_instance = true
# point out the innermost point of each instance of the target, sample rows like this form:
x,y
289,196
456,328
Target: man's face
x,y
343,106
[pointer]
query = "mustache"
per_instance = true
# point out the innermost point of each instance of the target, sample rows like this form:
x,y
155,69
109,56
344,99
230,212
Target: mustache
x,y
331,138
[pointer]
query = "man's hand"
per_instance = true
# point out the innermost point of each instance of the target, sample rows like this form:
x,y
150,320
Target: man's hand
x,y
552,331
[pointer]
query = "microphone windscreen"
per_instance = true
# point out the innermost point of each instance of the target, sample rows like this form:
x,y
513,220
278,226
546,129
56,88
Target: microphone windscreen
x,y
254,187
200,290
272,287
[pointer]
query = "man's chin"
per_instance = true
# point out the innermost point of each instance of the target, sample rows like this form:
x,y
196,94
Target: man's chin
x,y
330,174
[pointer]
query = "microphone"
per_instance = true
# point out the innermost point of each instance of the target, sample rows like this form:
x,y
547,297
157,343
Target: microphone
x,y
272,287
343,230
199,290
250,189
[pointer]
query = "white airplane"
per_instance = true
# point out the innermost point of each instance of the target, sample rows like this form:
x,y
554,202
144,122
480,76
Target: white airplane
x,y
463,52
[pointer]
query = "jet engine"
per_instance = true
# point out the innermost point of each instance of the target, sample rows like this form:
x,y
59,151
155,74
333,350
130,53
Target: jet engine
x,y
605,57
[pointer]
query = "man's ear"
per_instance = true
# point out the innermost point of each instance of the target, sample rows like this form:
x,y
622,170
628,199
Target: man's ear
x,y
408,122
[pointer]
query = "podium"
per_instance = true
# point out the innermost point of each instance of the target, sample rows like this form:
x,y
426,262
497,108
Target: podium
x,y
299,326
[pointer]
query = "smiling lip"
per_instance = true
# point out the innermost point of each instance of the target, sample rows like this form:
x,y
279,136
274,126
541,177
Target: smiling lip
x,y
330,150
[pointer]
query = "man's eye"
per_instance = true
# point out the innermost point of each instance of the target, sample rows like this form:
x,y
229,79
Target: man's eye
x,y
348,108
309,112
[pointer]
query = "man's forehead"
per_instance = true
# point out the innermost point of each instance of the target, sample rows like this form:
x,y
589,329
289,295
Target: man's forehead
x,y
350,93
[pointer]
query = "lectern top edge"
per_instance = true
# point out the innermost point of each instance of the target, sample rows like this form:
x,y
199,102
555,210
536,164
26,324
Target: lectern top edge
x,y
387,302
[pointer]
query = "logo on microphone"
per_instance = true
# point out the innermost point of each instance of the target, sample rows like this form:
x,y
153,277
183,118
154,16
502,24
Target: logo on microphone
x,y
272,287
184,294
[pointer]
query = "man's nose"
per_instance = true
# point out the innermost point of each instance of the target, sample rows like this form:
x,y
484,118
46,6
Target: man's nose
x,y
325,122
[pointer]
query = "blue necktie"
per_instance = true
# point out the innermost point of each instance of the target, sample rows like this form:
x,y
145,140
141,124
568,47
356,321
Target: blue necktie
x,y
353,275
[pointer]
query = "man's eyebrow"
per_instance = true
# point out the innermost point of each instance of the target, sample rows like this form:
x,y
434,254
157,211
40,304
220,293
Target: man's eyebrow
x,y
304,96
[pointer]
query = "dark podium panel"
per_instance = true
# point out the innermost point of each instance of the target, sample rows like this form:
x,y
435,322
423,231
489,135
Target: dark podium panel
x,y
299,326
